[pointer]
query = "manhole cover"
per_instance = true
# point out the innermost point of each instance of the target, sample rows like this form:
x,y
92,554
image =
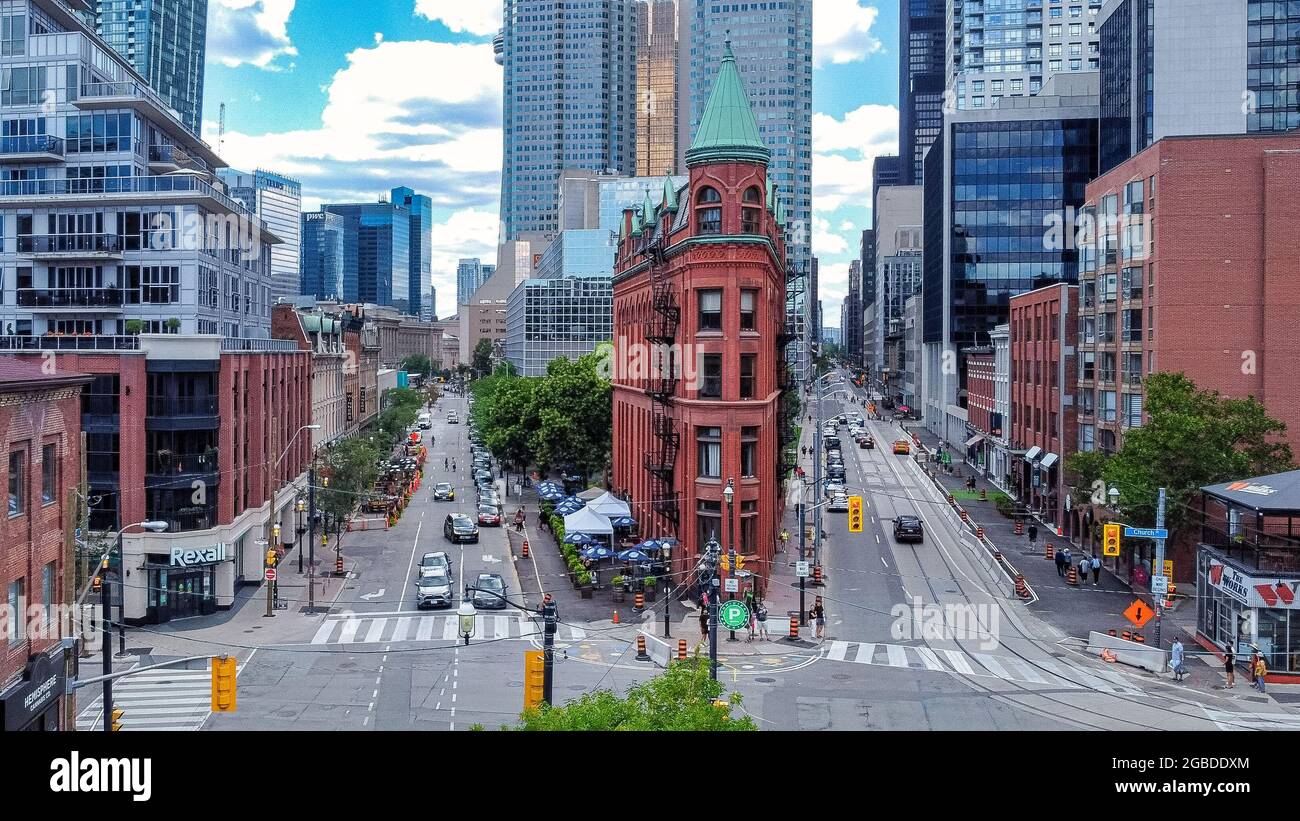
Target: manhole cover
x,y
765,680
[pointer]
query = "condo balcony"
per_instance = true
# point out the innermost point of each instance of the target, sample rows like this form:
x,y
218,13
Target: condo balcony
x,y
65,298
166,158
69,342
33,148
71,246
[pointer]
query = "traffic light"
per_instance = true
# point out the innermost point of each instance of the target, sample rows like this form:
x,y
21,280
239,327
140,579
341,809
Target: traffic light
x,y
534,678
271,558
97,584
855,514
117,719
224,671
1110,543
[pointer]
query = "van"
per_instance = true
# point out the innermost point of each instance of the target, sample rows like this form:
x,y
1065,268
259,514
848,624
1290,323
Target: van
x,y
425,421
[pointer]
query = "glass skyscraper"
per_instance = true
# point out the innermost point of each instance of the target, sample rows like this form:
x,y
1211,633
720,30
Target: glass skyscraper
x,y
278,201
470,274
377,253
656,87
166,42
569,101
921,83
323,256
418,208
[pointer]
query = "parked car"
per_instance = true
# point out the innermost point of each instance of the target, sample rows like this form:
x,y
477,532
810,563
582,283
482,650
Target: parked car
x,y
482,476
902,446
453,418
460,528
490,592
908,529
836,472
489,496
839,503
433,589
834,486
489,515
444,492
831,442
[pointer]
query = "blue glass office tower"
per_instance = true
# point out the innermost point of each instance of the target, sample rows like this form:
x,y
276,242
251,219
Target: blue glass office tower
x,y
166,41
377,253
323,239
418,207
569,102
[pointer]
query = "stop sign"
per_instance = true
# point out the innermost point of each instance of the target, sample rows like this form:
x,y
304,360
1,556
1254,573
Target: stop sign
x,y
270,574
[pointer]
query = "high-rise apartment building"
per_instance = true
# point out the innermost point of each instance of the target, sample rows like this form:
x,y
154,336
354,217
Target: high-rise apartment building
x,y
851,314
278,201
921,83
552,50
166,41
656,88
377,253
470,275
420,285
1010,48
1162,77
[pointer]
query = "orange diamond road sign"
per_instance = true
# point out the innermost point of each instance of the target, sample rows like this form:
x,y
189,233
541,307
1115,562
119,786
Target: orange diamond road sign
x,y
1139,613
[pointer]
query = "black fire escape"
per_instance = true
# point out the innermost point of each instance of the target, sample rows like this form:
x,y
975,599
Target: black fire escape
x,y
661,333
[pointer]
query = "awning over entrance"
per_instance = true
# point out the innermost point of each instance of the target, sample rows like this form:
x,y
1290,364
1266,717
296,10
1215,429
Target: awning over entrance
x,y
974,440
1048,460
1277,493
1033,453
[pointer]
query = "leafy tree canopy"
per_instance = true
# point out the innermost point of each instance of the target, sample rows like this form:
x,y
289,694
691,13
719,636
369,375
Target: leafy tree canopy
x,y
482,356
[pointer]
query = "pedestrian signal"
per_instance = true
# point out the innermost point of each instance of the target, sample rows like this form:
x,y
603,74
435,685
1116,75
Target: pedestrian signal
x,y
855,514
116,719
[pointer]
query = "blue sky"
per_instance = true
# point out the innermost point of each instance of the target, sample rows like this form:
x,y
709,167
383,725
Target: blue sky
x,y
355,97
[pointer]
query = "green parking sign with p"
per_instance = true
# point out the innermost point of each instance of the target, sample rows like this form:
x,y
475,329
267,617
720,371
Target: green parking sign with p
x,y
734,615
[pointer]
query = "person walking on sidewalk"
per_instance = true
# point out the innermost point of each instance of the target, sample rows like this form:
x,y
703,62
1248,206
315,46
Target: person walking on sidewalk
x,y
1096,571
704,623
1069,559
761,615
1261,670
1084,564
445,463
785,539
1033,535
1060,563
1230,667
1176,660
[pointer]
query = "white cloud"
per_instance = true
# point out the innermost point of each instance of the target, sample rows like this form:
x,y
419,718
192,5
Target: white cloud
x,y
832,287
249,31
825,241
467,233
843,150
841,31
386,124
481,17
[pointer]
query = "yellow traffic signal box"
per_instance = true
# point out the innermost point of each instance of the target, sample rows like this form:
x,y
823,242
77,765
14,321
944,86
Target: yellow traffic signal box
x,y
855,514
1110,541
534,678
224,671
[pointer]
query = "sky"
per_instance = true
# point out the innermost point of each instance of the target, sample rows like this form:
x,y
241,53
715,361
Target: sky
x,y
356,97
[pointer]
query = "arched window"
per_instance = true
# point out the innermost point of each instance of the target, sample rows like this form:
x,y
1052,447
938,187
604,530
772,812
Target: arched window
x,y
751,215
708,211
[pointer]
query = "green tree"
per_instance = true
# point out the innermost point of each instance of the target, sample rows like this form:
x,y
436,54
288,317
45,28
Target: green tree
x,y
417,363
1191,438
682,698
574,408
1082,470
482,358
352,467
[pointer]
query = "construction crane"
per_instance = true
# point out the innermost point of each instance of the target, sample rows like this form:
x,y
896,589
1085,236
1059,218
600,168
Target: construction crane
x,y
221,130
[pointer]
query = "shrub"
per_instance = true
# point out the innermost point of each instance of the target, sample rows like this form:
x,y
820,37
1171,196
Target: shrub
x,y
584,578
1004,504
617,581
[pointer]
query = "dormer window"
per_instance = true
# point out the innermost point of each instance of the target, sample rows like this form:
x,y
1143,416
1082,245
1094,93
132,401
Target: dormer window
x,y
708,211
751,214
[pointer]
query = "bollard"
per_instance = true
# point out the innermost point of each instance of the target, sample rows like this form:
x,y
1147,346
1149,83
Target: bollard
x,y
1073,578
1022,589
638,603
964,516
525,548
1051,551
681,649
984,494
1112,632
979,533
794,629
641,654
997,556
1126,635
616,617
817,575
952,501
1139,638
1020,527
338,564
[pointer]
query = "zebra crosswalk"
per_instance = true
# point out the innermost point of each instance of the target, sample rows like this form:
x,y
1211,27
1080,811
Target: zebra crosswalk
x,y
157,700
1048,672
1253,721
358,629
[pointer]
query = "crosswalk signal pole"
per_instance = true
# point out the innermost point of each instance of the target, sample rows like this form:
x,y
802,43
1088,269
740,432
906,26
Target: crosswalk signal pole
x,y
1158,601
106,636
550,618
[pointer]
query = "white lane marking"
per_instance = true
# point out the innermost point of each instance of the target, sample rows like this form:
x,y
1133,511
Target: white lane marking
x,y
992,665
350,628
897,655
838,650
415,548
958,661
928,658
1023,671
376,630
866,651
403,626
449,630
501,627
323,632
425,630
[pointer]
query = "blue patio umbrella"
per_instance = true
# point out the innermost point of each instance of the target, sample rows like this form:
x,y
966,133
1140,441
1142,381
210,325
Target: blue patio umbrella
x,y
581,503
623,521
551,494
577,538
597,551
547,488
649,545
634,555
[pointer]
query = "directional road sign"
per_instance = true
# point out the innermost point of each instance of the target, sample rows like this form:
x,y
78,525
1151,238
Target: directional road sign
x,y
1159,585
1139,613
1146,532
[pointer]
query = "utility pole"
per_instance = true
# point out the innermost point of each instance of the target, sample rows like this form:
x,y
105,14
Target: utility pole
x,y
803,532
1158,601
817,477
550,618
311,537
711,574
106,604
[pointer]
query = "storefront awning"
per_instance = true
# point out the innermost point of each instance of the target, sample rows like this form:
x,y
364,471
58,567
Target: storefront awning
x,y
1048,460
1033,453
974,440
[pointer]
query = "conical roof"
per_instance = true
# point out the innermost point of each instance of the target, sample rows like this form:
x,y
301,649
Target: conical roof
x,y
728,129
670,195
648,209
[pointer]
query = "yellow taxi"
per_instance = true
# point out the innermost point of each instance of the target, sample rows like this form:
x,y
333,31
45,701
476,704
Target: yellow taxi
x,y
902,446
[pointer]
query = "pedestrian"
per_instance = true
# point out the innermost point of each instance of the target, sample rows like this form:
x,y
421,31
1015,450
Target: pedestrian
x,y
1250,667
1096,571
1060,563
818,615
704,623
1176,660
785,539
1230,667
1033,534
753,625
1069,558
762,624
453,465
445,463
1261,670
1083,570
519,520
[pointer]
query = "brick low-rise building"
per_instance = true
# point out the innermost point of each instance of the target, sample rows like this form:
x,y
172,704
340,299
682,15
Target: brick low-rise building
x,y
1195,268
40,467
700,278
1043,370
321,333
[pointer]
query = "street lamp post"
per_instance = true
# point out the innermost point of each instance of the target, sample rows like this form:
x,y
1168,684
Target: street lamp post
x,y
712,572
729,493
276,467
466,614
668,600
106,604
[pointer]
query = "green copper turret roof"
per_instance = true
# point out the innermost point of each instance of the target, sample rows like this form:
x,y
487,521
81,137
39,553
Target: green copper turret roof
x,y
670,195
771,194
648,210
728,129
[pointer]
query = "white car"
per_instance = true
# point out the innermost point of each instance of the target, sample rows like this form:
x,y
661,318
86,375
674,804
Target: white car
x,y
839,502
835,487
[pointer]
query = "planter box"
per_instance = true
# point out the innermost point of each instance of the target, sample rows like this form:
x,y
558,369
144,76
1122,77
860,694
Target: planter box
x,y
587,592
619,595
650,593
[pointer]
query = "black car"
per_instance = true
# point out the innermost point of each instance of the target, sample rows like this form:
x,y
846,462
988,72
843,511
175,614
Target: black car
x,y
460,528
831,442
482,476
489,592
908,529
836,472
444,492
